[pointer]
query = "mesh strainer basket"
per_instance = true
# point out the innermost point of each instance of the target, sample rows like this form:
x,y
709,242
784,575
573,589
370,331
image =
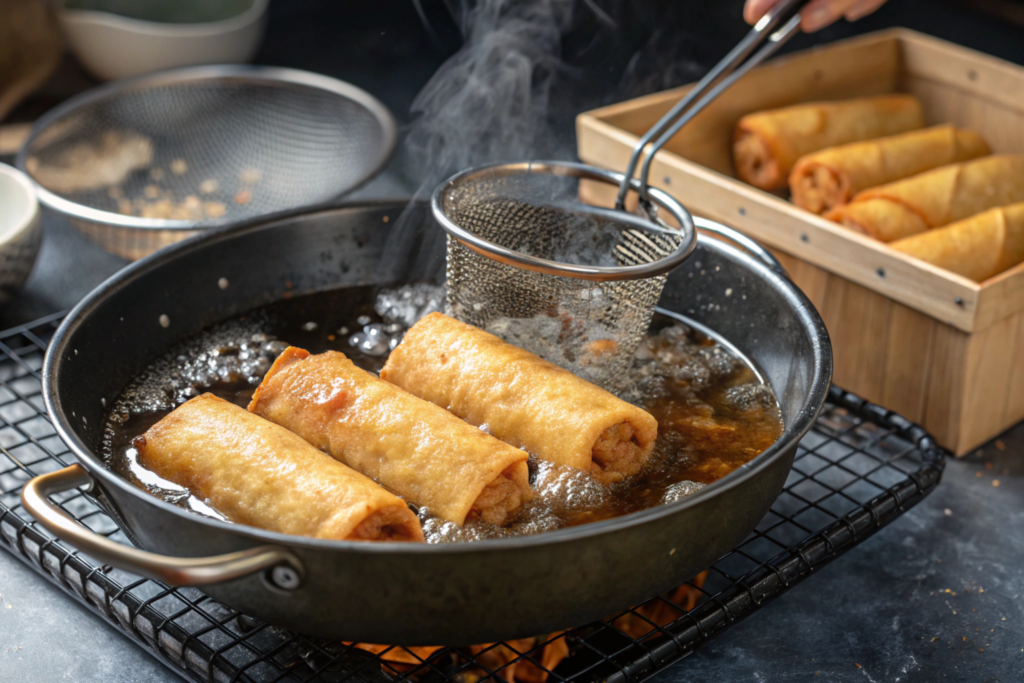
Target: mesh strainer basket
x,y
577,284
144,162
574,283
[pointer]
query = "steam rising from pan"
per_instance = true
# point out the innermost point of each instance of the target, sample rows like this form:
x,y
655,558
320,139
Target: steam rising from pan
x,y
520,77
488,102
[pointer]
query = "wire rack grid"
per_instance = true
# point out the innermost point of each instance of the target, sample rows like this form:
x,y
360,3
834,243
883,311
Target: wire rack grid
x,y
859,468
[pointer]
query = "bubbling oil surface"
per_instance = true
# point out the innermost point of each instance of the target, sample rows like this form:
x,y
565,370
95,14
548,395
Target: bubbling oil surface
x,y
714,412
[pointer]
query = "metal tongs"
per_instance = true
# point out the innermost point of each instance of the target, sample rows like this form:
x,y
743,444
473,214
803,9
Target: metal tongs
x,y
776,27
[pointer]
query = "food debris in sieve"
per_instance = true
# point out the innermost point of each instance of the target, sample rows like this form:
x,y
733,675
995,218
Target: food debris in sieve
x,y
110,161
214,209
165,206
93,165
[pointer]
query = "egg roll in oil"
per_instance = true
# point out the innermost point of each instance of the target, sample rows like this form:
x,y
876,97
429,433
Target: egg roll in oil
x,y
522,399
257,473
408,445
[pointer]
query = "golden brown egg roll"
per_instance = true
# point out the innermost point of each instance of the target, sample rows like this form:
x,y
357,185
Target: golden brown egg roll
x,y
768,144
420,451
254,472
977,247
521,398
831,177
934,198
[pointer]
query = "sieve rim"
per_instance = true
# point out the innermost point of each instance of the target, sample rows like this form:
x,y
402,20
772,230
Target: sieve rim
x,y
191,74
517,259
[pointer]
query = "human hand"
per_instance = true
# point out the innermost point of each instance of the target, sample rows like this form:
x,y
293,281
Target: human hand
x,y
818,13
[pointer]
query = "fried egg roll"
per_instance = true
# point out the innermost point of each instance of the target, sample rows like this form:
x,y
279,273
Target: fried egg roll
x,y
934,198
768,144
831,177
521,398
254,472
420,451
977,247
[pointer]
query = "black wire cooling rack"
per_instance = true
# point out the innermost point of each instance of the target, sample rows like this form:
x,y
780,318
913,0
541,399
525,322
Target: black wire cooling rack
x,y
858,469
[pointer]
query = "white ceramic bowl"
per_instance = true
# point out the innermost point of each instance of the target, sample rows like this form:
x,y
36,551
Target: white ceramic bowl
x,y
20,230
113,46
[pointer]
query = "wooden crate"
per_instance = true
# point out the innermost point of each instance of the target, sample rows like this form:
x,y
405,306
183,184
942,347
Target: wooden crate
x,y
941,349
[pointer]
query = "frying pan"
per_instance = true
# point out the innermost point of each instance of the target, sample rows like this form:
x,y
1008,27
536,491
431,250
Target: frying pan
x,y
412,594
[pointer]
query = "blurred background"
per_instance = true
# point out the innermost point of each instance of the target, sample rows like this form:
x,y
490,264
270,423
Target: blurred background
x,y
608,50
468,81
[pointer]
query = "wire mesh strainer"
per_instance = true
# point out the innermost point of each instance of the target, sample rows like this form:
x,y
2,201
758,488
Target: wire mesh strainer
x,y
140,163
580,282
575,283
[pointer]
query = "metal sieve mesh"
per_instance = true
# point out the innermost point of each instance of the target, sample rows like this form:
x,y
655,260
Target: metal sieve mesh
x,y
580,282
509,224
192,148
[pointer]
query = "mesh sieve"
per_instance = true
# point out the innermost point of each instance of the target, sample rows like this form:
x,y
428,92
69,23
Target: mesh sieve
x,y
146,161
580,282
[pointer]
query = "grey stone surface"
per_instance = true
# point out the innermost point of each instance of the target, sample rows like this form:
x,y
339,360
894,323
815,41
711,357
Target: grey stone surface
x,y
45,635
935,596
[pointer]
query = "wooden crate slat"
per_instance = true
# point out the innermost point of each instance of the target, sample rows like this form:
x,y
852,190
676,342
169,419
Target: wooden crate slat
x,y
936,347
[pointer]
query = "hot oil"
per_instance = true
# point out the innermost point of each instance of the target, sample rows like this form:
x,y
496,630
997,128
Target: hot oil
x,y
714,412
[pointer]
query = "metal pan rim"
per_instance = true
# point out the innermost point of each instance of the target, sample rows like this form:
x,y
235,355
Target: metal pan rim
x,y
792,433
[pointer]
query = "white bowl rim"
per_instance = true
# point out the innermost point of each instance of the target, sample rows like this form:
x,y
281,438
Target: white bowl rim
x,y
25,222
165,29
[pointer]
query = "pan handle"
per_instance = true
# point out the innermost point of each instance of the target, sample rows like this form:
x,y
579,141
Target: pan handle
x,y
285,570
741,240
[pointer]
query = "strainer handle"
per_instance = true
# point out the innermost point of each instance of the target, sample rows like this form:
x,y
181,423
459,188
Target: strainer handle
x,y
776,27
742,241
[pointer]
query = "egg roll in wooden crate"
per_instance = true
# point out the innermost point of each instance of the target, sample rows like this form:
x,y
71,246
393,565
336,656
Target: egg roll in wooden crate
x,y
939,348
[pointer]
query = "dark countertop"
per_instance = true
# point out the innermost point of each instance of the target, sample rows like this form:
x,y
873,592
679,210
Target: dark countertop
x,y
883,606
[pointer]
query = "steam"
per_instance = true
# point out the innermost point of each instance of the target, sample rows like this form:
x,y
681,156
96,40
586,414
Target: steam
x,y
490,101
525,69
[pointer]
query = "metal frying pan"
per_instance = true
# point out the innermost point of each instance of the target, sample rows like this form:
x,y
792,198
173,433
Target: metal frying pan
x,y
411,594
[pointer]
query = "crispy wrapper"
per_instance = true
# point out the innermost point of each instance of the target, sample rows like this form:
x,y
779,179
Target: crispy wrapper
x,y
521,399
977,247
420,451
934,198
768,144
831,177
257,473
